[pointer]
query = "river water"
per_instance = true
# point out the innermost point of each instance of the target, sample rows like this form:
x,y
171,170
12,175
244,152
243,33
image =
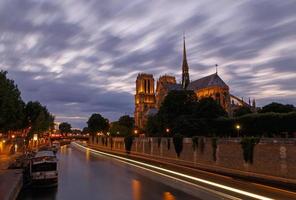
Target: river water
x,y
85,177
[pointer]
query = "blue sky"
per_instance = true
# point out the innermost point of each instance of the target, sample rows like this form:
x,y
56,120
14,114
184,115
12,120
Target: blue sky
x,y
81,57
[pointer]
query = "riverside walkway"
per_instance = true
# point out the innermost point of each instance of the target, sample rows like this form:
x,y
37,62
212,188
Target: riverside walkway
x,y
11,180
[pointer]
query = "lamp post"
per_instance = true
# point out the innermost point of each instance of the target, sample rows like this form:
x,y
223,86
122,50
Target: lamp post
x,y
238,127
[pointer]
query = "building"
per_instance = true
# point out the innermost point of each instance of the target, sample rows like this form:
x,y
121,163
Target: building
x,y
148,101
144,98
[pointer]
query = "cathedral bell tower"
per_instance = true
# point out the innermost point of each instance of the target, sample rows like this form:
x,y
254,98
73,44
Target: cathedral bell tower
x,y
144,98
185,68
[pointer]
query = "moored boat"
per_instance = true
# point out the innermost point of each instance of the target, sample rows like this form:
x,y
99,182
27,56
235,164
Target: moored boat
x,y
43,169
55,146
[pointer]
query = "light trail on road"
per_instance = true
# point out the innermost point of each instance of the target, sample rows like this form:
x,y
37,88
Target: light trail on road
x,y
136,163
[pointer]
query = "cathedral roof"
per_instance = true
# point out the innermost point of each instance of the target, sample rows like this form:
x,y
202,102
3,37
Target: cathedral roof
x,y
208,81
173,86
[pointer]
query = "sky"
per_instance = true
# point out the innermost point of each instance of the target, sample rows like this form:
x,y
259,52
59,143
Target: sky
x,y
83,57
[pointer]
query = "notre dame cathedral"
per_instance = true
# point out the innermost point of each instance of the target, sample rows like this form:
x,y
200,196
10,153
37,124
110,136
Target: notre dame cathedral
x,y
148,100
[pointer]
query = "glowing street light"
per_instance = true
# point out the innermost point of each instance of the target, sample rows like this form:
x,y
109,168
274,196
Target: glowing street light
x,y
35,137
136,131
167,130
238,127
13,136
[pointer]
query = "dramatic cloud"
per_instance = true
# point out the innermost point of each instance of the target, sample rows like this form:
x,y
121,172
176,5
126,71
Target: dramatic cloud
x,y
81,57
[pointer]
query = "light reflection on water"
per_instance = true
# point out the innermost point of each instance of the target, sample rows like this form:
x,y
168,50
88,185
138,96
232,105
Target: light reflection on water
x,y
87,155
82,176
168,196
136,185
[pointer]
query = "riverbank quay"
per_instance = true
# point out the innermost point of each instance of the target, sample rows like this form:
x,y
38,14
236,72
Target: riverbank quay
x,y
223,184
11,180
271,161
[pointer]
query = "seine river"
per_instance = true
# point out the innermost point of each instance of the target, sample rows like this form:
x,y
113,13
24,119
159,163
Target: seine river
x,y
84,177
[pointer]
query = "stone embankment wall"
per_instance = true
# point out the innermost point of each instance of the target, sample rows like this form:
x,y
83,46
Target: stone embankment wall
x,y
272,157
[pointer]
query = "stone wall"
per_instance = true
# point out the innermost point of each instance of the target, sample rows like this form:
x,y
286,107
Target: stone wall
x,y
272,157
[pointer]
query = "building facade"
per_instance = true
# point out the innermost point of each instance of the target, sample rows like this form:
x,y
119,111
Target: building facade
x,y
148,101
144,98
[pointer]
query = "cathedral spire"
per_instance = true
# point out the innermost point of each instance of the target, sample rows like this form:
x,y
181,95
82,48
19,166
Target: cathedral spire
x,y
185,68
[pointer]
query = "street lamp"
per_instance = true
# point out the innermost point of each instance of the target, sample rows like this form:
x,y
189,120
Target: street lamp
x,y
167,130
136,131
238,127
35,137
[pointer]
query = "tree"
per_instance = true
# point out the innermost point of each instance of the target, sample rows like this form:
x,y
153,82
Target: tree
x,y
176,103
12,116
76,131
128,143
65,128
178,143
116,129
85,130
208,108
188,125
38,117
97,123
277,108
126,121
152,127
243,110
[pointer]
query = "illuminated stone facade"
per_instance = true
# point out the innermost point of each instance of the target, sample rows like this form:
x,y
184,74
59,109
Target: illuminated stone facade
x,y
147,101
212,86
164,85
144,98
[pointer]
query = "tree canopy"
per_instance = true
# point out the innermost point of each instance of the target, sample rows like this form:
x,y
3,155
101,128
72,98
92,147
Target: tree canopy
x,y
65,127
277,108
243,110
38,117
15,114
85,130
181,112
126,121
209,108
175,104
12,115
97,123
124,126
152,127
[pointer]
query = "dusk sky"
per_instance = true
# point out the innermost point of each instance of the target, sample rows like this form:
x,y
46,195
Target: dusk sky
x,y
80,57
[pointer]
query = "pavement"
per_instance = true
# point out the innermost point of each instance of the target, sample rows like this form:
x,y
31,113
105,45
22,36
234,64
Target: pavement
x,y
11,180
228,187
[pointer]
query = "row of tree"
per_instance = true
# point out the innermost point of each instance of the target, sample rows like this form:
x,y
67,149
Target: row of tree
x,y
98,124
16,115
182,113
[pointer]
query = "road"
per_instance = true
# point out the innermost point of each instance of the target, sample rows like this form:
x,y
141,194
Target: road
x,y
83,176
